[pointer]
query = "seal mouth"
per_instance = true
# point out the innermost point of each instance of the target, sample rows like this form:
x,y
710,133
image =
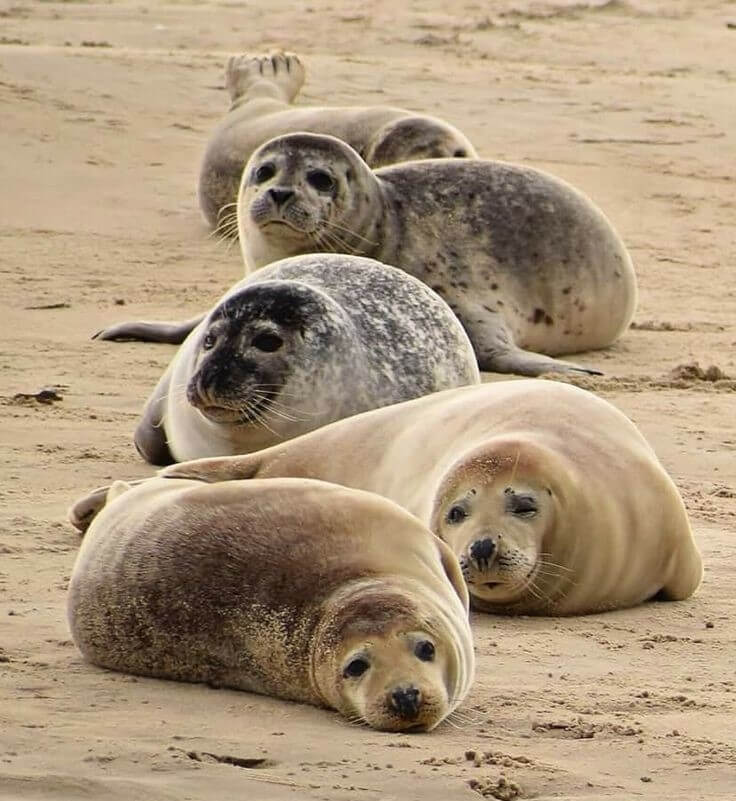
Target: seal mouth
x,y
246,413
491,585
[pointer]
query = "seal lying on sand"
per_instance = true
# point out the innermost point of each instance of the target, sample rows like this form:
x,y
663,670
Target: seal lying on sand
x,y
302,343
292,588
262,89
550,497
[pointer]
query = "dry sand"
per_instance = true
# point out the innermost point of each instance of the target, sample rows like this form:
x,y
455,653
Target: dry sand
x,y
104,113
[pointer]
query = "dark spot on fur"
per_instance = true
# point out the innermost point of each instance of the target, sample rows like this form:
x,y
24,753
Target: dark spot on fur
x,y
548,320
494,286
566,290
538,316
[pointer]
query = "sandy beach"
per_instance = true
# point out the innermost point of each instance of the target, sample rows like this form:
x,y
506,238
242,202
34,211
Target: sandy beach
x,y
105,110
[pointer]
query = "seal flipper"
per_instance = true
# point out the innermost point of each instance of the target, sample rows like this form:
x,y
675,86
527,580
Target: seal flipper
x,y
83,511
142,331
686,574
150,434
218,468
496,351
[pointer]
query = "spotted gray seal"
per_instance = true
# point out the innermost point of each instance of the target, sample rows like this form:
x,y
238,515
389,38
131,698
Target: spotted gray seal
x,y
528,263
299,344
262,89
296,589
550,497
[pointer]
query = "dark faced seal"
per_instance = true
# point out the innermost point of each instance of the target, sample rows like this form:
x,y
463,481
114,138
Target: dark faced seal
x,y
549,496
297,345
262,89
297,589
528,263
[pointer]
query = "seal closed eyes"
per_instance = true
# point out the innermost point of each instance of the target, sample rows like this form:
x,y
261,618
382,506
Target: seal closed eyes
x,y
550,497
262,88
529,264
302,343
297,589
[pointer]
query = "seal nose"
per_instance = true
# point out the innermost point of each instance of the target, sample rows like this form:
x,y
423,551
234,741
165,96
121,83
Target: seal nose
x,y
280,196
406,701
481,552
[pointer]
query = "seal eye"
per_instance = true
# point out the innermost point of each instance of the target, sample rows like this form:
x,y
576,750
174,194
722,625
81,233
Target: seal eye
x,y
209,342
267,342
355,668
320,180
424,650
264,173
521,505
456,514
459,153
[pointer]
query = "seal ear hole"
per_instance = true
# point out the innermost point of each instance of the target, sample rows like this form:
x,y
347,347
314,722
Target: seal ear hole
x,y
424,650
267,342
321,181
264,173
460,153
456,514
209,341
355,668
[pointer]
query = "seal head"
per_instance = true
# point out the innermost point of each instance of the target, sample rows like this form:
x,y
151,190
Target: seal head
x,y
303,193
251,343
498,507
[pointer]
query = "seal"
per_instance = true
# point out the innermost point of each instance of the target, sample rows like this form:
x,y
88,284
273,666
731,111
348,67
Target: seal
x,y
297,589
549,496
529,264
262,89
299,344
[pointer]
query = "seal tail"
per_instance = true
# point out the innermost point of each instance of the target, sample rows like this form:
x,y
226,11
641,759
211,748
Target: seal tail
x,y
83,511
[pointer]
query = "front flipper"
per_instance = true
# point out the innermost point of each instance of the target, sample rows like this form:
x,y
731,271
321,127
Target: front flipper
x,y
219,468
150,434
142,331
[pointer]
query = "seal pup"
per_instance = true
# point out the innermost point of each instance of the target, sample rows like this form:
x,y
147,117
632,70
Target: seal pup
x,y
528,263
299,344
262,89
298,589
550,497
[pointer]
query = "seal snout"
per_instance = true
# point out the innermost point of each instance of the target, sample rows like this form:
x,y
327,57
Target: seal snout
x,y
483,552
280,196
406,701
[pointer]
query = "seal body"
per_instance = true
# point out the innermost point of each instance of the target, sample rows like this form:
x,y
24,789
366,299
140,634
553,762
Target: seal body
x,y
529,264
297,589
262,89
550,497
297,345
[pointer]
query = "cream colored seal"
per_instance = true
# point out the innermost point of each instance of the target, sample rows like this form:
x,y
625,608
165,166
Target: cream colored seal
x,y
262,89
528,263
303,342
550,497
298,589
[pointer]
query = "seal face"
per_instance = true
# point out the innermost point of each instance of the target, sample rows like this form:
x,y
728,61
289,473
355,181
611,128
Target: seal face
x,y
299,344
292,588
557,513
528,264
262,89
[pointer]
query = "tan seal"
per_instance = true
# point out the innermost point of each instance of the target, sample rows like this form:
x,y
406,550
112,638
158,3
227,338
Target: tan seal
x,y
528,263
262,89
297,589
550,497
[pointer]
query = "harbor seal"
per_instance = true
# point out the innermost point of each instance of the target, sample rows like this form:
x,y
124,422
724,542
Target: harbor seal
x,y
528,263
550,497
298,589
262,89
297,345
